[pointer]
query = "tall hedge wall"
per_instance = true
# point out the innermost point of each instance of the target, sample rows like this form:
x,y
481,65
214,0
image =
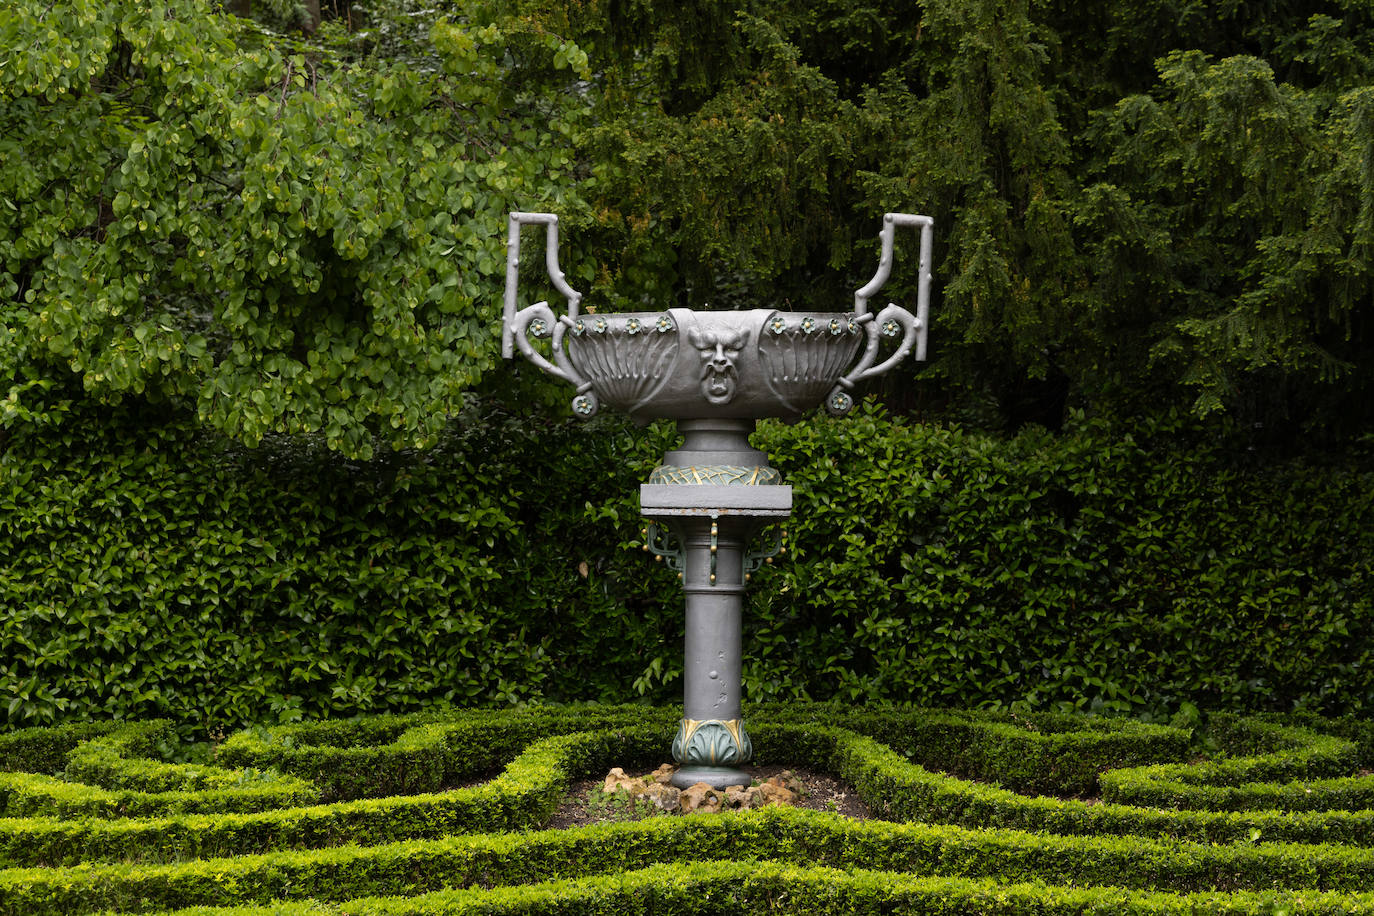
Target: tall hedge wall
x,y
151,570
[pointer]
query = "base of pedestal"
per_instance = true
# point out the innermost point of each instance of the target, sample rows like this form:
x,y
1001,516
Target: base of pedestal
x,y
715,777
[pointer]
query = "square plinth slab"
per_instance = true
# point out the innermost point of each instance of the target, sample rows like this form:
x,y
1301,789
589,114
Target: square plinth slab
x,y
704,499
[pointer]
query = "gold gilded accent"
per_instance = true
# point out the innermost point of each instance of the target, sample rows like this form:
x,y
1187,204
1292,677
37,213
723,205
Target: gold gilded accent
x,y
716,475
690,726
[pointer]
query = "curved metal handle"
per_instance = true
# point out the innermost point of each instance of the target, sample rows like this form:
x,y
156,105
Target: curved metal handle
x,y
539,320
892,320
888,235
560,283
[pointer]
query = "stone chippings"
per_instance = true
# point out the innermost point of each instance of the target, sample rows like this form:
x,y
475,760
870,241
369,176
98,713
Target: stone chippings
x,y
783,789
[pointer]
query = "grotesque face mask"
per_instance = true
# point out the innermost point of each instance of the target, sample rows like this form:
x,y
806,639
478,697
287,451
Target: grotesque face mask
x,y
718,349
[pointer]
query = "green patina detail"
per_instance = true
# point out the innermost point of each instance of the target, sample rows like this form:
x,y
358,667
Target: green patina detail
x,y
716,475
712,743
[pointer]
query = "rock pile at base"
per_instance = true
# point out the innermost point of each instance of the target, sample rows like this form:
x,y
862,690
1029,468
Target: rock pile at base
x,y
656,788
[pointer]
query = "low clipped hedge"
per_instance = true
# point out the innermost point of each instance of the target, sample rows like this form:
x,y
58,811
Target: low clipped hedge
x,y
703,888
1027,753
942,841
1254,782
45,750
533,779
389,755
153,571
525,794
789,836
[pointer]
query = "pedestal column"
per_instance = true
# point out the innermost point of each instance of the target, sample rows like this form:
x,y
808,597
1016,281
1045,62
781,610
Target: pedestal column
x,y
714,495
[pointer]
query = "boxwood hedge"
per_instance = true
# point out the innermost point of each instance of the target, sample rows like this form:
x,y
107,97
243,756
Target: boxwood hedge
x,y
946,840
155,571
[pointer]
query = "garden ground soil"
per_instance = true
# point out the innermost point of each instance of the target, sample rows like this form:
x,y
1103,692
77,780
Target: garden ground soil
x,y
823,793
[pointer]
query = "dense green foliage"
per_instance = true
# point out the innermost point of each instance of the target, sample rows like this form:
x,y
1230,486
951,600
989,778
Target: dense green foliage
x,y
938,565
480,849
283,242
1137,206
1141,203
163,572
254,463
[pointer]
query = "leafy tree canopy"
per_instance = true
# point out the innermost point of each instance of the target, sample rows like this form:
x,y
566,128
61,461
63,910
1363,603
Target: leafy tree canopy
x,y
1146,205
193,211
1140,205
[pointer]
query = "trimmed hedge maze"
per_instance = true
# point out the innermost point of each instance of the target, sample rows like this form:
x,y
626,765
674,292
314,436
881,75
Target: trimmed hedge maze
x,y
444,813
